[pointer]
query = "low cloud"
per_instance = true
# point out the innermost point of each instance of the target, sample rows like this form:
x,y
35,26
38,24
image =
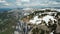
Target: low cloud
x,y
25,0
29,3
46,3
2,1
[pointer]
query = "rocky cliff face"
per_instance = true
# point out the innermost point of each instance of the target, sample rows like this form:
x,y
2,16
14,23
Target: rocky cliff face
x,y
49,16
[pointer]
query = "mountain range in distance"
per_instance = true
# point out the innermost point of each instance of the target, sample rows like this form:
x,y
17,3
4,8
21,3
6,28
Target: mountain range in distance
x,y
8,9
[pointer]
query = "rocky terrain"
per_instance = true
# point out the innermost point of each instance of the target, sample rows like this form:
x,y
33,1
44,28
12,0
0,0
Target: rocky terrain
x,y
38,19
30,21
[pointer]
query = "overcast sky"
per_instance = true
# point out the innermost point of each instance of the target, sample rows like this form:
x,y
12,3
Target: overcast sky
x,y
29,3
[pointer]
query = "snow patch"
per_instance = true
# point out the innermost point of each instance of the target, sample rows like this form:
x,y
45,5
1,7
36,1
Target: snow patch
x,y
37,20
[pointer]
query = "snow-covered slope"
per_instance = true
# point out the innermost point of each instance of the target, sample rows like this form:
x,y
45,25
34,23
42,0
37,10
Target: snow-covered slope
x,y
37,20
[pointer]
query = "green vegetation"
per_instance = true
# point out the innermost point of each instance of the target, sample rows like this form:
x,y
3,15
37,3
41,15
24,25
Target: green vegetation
x,y
7,20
